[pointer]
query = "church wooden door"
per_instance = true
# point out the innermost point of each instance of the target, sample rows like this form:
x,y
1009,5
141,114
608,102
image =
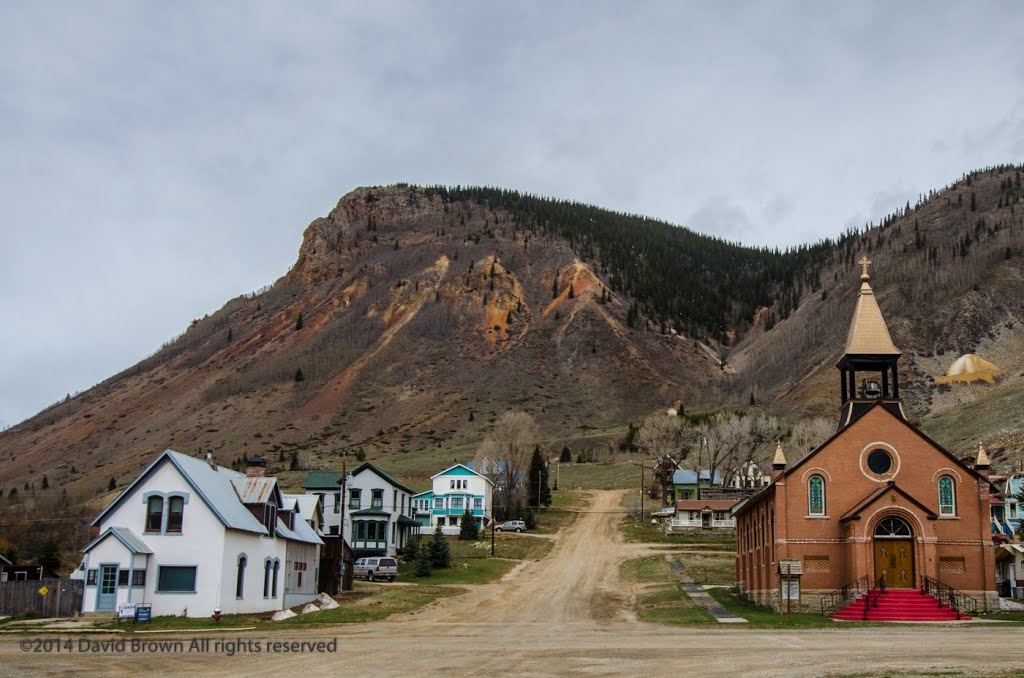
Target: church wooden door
x,y
894,560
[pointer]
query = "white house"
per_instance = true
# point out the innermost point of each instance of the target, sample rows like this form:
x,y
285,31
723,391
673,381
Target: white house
x,y
377,511
455,489
377,518
707,514
189,537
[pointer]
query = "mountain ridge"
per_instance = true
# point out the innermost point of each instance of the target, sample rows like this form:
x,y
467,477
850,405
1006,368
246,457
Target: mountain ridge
x,y
417,315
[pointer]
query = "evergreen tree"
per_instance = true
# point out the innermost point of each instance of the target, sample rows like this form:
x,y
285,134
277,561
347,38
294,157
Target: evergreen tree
x,y
440,553
294,465
423,561
537,482
572,292
49,555
299,376
46,483
566,455
112,485
298,322
467,528
230,335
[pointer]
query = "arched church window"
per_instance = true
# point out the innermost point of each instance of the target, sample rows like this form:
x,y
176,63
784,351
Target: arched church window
x,y
892,527
816,496
947,496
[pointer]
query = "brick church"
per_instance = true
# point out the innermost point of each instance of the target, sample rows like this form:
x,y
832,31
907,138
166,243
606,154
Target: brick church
x,y
879,500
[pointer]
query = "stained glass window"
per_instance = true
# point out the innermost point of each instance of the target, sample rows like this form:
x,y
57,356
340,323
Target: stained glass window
x,y
816,496
947,497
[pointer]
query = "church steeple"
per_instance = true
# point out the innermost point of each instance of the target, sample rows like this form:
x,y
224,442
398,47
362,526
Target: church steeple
x,y
869,349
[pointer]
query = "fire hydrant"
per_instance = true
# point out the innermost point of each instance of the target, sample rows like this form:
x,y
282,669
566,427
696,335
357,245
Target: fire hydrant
x,y
216,615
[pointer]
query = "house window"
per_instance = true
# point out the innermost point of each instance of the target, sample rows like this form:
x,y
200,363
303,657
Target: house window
x,y
439,502
176,579
266,578
457,503
138,577
354,502
277,568
337,502
377,501
816,496
90,577
122,577
478,503
947,496
451,484
240,577
394,499
175,509
154,514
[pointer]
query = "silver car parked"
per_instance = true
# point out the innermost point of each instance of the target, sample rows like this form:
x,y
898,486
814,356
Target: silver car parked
x,y
376,568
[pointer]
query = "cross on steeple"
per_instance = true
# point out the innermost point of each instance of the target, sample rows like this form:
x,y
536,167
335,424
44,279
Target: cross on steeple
x,y
864,263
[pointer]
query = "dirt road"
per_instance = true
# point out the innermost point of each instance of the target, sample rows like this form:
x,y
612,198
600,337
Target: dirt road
x,y
565,615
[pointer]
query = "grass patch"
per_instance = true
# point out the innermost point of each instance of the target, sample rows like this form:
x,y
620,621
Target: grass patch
x,y
711,568
612,476
472,562
651,568
384,603
643,532
669,604
169,623
1017,617
763,617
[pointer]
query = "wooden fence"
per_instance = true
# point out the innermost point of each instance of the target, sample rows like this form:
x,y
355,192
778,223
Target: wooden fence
x,y
63,598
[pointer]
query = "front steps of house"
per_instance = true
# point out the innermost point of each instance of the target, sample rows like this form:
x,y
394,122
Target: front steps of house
x,y
899,605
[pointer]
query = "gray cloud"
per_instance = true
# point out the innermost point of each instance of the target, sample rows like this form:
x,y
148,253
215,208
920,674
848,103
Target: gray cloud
x,y
159,159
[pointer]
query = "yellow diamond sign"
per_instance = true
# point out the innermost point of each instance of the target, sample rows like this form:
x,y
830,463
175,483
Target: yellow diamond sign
x,y
43,590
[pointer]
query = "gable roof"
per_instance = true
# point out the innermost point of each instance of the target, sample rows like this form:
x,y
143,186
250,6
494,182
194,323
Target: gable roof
x,y
301,532
322,480
257,490
426,494
383,474
131,541
460,470
878,404
212,485
4,561
854,513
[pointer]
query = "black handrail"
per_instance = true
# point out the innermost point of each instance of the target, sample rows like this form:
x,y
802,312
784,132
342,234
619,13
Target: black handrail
x,y
833,600
871,600
957,601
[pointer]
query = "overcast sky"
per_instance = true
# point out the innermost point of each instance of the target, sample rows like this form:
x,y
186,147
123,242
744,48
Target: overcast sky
x,y
158,159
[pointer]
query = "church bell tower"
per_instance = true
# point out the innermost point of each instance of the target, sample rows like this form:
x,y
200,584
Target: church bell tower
x,y
868,367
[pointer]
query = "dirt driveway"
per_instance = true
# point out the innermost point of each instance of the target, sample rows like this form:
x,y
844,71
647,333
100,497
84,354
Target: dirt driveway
x,y
565,615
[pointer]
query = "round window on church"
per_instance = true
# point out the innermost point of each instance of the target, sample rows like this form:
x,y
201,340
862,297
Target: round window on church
x,y
879,461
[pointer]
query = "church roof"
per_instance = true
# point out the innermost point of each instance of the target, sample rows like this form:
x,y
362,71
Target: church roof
x,y
854,513
868,333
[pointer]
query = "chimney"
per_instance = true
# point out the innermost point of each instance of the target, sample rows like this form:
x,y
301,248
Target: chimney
x,y
779,462
255,467
982,464
209,459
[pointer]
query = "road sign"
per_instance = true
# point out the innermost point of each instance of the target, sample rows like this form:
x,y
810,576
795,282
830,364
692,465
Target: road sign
x,y
43,590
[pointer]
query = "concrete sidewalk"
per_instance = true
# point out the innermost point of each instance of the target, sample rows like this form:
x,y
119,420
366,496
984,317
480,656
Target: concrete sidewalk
x,y
702,597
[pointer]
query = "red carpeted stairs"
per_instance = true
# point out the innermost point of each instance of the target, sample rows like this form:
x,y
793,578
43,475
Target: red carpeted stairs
x,y
899,605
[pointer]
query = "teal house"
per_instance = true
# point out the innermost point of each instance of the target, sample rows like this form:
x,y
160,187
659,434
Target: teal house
x,y
455,489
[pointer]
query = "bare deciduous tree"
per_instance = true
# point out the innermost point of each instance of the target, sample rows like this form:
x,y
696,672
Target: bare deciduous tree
x,y
515,434
662,439
809,433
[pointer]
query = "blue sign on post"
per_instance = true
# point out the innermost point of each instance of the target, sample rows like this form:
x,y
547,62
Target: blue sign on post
x,y
143,612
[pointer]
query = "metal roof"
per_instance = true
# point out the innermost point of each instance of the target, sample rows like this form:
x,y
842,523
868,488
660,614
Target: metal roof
x,y
323,480
255,490
683,476
131,541
212,485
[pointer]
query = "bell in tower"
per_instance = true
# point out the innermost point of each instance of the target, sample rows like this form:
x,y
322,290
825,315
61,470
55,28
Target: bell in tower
x,y
868,366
